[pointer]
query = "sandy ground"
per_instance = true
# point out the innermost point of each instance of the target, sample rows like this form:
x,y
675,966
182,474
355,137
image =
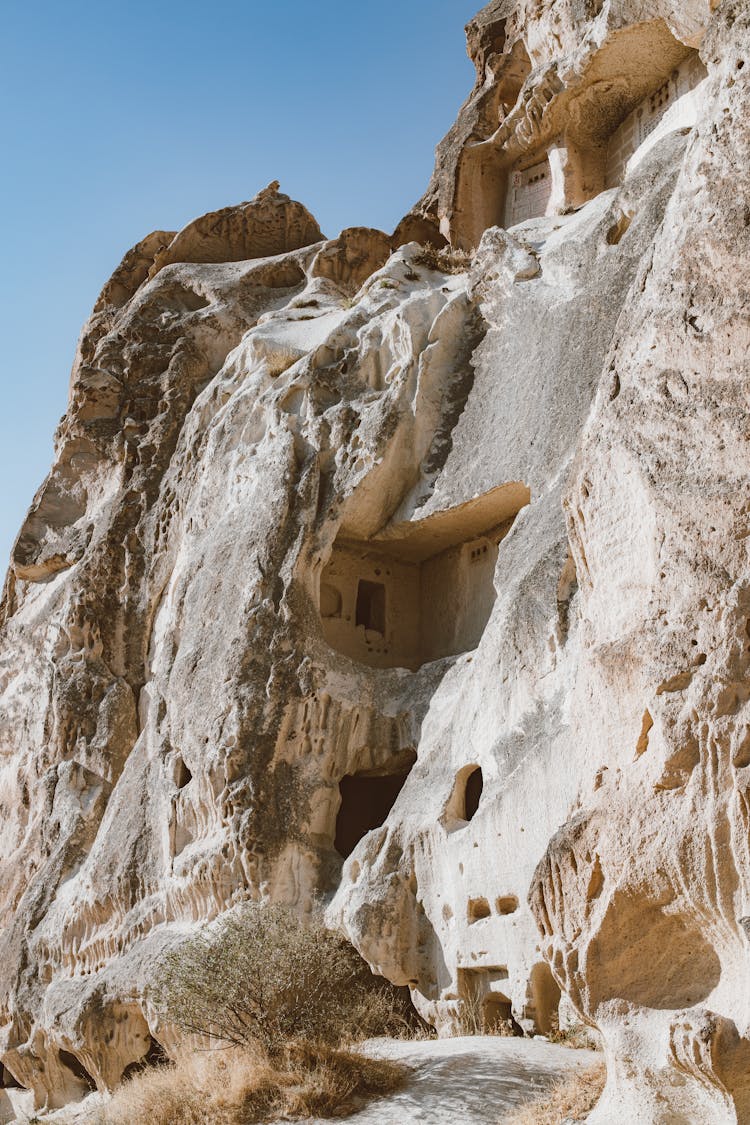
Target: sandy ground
x,y
467,1081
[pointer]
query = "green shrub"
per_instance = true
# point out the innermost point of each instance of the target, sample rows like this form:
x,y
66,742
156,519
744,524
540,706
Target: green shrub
x,y
260,976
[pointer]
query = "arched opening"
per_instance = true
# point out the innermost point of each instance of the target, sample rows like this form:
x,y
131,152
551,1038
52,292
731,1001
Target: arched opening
x,y
464,801
485,1004
366,801
545,997
473,794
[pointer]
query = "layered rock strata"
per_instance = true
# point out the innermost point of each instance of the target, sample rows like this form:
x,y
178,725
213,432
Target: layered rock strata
x,y
415,580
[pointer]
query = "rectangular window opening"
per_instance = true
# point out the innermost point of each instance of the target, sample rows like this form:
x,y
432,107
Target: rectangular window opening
x,y
371,606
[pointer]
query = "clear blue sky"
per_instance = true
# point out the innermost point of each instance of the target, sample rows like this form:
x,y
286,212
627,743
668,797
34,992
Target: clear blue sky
x,y
118,119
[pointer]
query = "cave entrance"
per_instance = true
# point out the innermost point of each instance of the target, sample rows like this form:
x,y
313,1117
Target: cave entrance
x,y
155,1056
76,1067
366,800
545,998
420,590
485,1002
668,107
7,1081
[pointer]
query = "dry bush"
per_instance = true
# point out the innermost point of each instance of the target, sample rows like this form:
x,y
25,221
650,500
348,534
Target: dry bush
x,y
570,1099
283,996
241,1086
445,260
577,1036
261,976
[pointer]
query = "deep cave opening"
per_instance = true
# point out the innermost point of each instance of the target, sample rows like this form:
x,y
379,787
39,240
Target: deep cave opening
x,y
465,798
155,1056
7,1081
74,1064
545,995
366,801
473,792
182,775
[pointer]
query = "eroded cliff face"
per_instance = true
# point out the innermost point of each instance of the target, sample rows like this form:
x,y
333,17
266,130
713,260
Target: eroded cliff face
x,y
415,581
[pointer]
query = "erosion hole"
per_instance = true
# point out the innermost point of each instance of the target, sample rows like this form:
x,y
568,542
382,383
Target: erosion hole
x,y
366,801
75,1066
641,745
182,775
477,909
620,229
506,904
7,1081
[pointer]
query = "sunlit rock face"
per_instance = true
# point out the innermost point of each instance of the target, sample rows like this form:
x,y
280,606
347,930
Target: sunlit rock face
x,y
414,581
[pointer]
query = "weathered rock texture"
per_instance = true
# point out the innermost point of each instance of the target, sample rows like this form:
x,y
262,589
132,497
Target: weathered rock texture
x,y
416,581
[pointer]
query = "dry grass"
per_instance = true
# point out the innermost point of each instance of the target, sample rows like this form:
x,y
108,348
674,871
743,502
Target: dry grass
x,y
238,1087
286,1000
445,260
570,1099
576,1036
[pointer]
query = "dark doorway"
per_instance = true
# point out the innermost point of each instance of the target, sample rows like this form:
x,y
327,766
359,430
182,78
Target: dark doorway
x,y
474,787
365,804
371,606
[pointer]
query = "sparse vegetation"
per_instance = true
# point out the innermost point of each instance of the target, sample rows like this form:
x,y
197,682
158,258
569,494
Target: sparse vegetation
x,y
262,977
474,1018
279,1004
570,1099
445,260
240,1086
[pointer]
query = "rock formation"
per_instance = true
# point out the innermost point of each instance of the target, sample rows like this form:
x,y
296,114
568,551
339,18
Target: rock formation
x,y
415,577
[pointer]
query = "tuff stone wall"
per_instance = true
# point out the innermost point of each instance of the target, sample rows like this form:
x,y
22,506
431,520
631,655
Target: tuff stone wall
x,y
535,799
